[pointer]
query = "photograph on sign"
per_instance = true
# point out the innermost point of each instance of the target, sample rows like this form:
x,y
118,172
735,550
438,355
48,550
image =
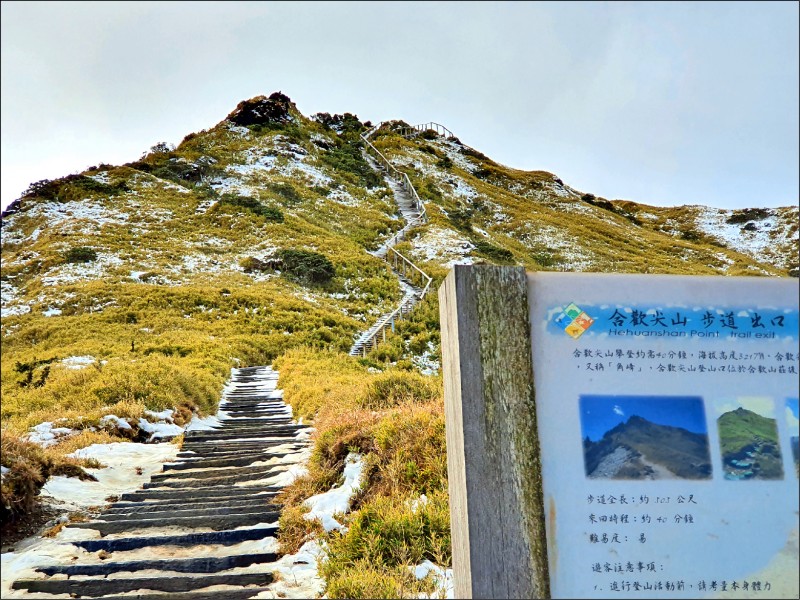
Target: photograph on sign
x,y
645,437
748,438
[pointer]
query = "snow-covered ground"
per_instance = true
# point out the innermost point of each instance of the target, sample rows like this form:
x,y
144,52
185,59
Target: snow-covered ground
x,y
547,238
444,246
759,241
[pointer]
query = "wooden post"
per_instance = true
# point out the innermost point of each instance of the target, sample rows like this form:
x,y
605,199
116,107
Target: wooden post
x,y
496,507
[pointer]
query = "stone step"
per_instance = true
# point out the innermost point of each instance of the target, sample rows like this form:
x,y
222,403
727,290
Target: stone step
x,y
278,421
257,421
231,411
204,446
215,522
189,458
200,493
143,508
208,447
229,594
187,565
263,429
223,538
99,587
212,482
248,414
253,435
212,511
213,473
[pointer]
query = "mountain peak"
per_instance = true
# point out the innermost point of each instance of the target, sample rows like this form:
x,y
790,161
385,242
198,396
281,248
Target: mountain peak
x,y
262,110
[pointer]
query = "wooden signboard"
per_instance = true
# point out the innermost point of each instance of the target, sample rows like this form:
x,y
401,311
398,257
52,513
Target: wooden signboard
x,y
631,436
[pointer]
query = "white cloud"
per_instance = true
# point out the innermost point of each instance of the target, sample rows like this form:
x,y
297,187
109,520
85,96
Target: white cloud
x,y
761,405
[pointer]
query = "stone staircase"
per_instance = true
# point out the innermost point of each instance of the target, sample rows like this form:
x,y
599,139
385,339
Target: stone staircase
x,y
202,528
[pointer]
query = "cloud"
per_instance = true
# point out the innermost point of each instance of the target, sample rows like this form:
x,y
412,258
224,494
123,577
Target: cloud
x,y
618,410
761,405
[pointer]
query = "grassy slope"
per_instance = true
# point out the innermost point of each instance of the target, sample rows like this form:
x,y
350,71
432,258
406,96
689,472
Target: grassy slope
x,y
741,428
547,225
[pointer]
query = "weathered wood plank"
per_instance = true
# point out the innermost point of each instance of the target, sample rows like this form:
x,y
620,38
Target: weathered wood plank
x,y
496,506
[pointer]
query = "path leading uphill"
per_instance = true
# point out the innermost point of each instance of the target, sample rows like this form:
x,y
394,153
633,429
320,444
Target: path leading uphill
x,y
411,212
205,526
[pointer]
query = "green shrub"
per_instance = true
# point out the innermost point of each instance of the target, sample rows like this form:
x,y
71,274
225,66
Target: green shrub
x,y
363,580
53,189
347,157
80,254
747,214
444,163
286,191
270,213
690,235
461,218
306,266
494,252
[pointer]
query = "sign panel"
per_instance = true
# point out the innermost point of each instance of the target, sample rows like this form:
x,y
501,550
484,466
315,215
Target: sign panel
x,y
667,411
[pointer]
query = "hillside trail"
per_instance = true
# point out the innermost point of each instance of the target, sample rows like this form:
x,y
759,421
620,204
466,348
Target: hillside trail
x,y
204,527
411,211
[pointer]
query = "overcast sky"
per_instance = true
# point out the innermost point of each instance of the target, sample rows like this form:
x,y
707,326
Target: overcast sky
x,y
661,103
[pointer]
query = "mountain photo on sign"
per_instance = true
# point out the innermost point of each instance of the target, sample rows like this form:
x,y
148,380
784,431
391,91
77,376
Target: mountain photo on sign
x,y
748,438
645,437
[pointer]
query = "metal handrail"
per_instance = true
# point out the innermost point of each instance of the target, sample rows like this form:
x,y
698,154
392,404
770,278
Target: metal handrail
x,y
388,321
437,127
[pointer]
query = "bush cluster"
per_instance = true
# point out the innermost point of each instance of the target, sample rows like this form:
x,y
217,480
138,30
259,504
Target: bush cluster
x,y
748,214
29,465
54,189
80,254
306,266
270,213
346,123
346,157
286,191
494,252
262,111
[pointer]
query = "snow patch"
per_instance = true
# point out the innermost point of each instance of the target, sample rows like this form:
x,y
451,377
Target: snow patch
x,y
159,430
759,242
299,577
128,466
46,435
74,272
9,301
337,500
445,588
78,362
547,238
444,246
